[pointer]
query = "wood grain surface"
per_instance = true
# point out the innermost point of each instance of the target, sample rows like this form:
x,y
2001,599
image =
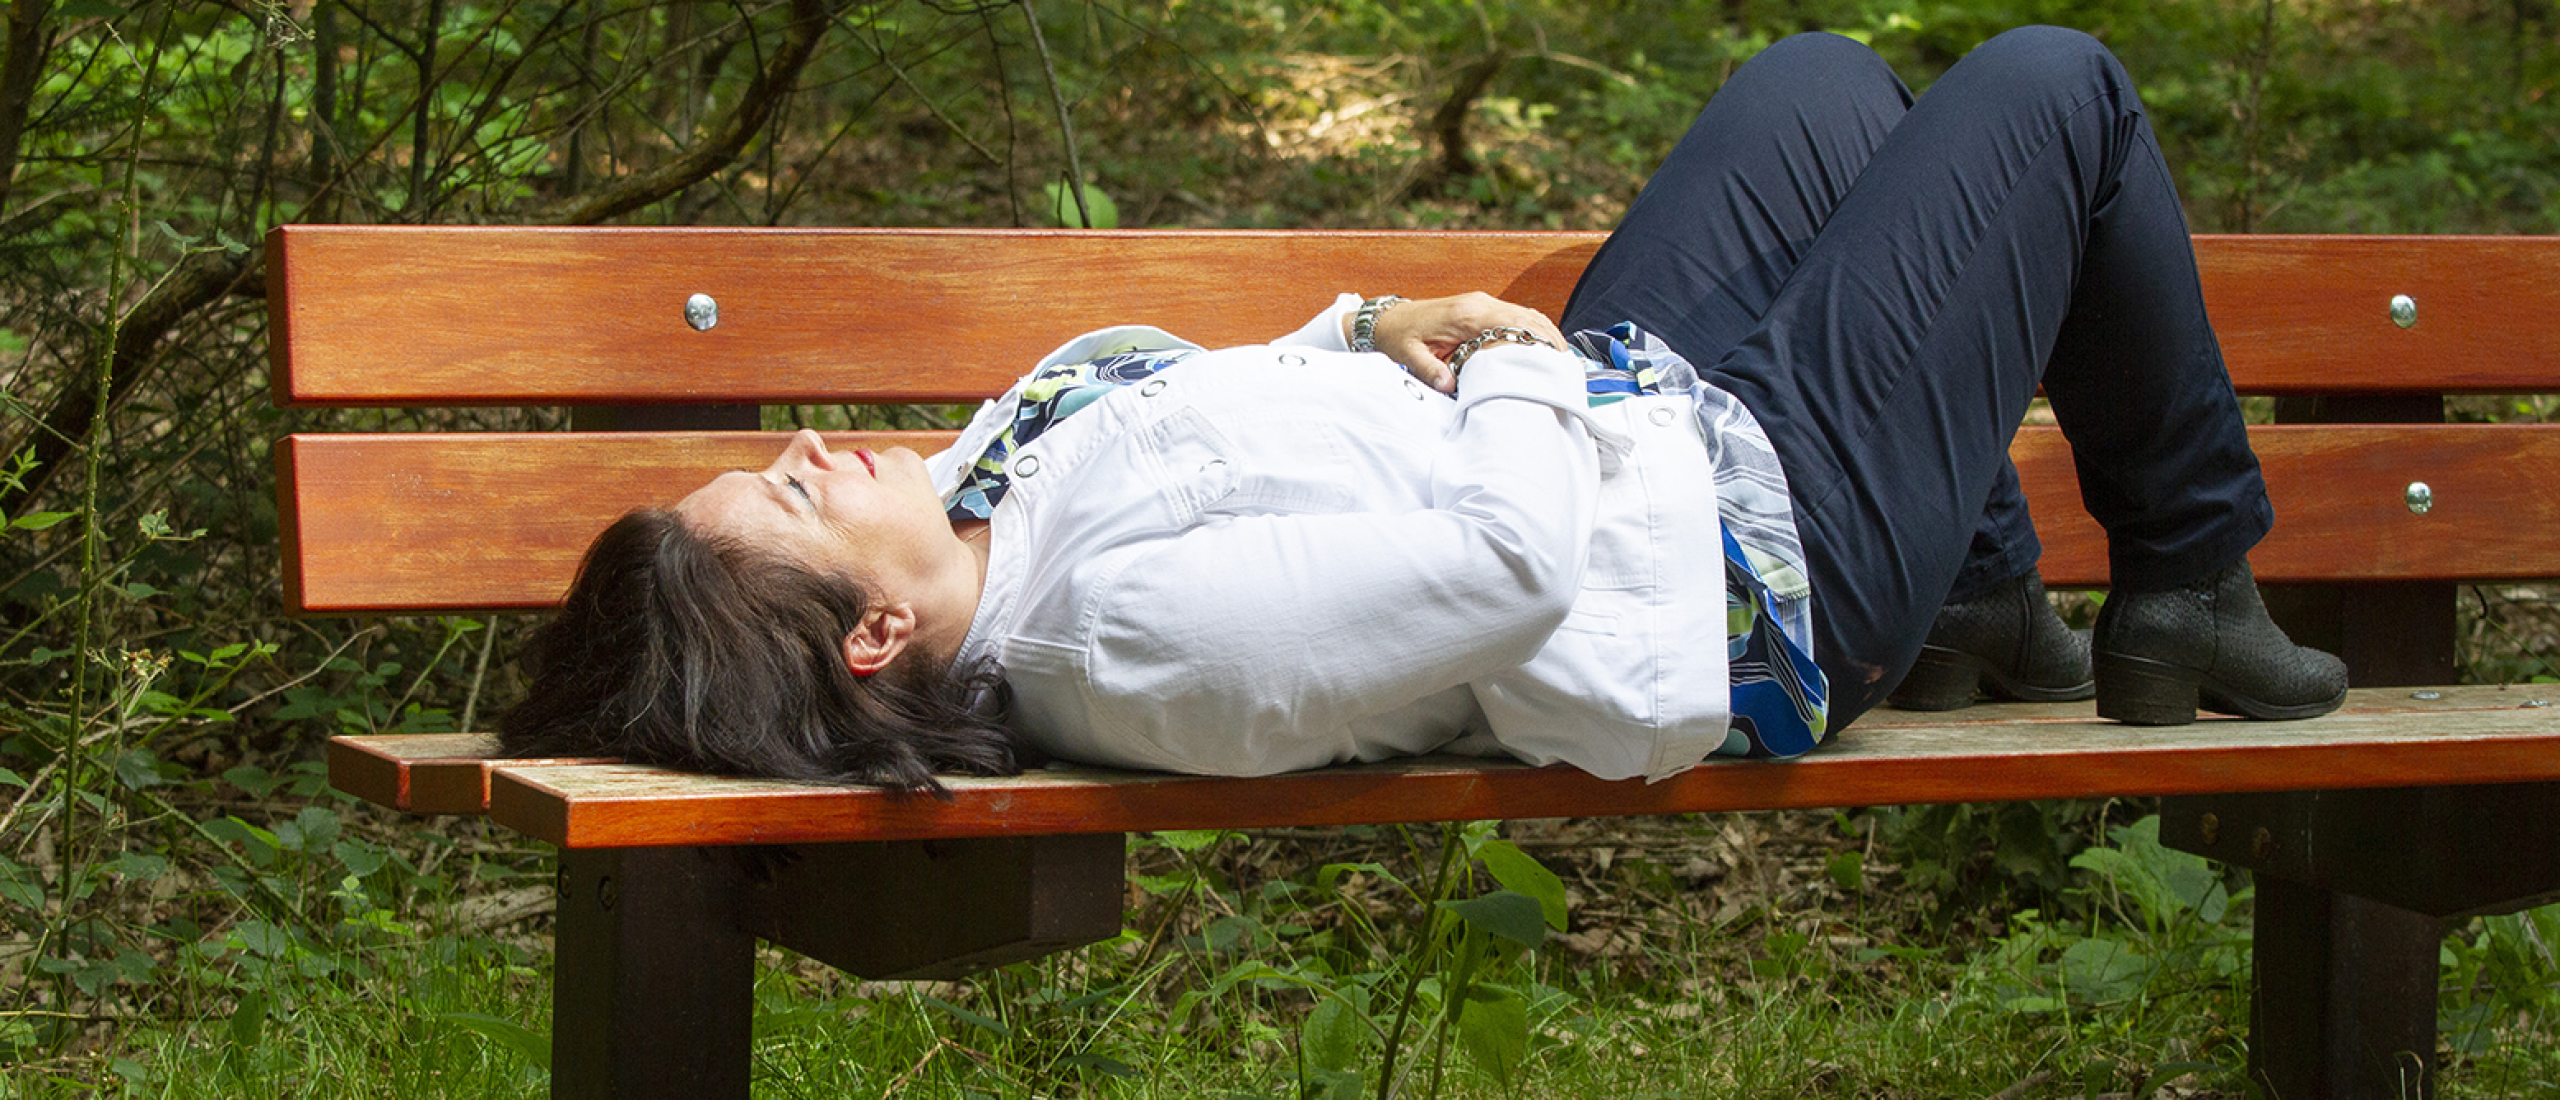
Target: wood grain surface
x,y
426,773
2384,738
486,521
448,773
447,524
385,315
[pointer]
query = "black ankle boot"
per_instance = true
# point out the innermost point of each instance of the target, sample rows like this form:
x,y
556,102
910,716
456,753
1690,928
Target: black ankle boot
x,y
2007,643
2160,653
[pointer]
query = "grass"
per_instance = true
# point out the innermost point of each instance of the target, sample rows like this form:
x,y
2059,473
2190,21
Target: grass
x,y
1738,956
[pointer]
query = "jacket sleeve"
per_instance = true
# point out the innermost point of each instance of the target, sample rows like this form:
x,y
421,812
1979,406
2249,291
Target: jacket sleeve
x,y
1324,330
1245,645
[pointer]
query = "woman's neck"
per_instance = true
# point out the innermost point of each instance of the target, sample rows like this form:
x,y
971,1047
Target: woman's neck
x,y
967,585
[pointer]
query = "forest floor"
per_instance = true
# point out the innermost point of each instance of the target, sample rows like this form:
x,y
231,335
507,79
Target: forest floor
x,y
1738,955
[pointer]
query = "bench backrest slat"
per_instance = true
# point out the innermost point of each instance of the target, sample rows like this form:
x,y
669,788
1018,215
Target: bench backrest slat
x,y
472,522
492,521
367,315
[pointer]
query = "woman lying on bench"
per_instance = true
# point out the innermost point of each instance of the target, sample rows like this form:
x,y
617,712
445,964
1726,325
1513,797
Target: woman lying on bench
x,y
1758,471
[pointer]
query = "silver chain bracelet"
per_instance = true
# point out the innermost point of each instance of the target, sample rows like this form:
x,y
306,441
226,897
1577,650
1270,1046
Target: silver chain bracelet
x,y
1505,335
1364,324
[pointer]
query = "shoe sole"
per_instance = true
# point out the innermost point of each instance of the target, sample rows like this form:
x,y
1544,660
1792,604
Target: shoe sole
x,y
1948,679
2139,691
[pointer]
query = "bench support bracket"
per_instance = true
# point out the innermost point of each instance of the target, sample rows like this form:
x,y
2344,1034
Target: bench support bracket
x,y
939,909
655,993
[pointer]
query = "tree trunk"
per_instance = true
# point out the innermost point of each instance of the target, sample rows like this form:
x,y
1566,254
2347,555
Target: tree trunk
x,y
18,68
323,122
1449,124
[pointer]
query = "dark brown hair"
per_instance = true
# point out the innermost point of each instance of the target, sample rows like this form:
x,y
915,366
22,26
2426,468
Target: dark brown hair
x,y
704,653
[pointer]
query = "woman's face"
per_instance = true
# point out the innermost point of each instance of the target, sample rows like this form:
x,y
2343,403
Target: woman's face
x,y
874,516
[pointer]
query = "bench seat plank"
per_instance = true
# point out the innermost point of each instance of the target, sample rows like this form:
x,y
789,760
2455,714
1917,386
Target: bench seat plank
x,y
448,773
2468,735
801,316
425,773
446,524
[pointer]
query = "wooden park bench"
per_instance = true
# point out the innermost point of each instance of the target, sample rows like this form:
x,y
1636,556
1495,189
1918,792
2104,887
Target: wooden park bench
x,y
2368,829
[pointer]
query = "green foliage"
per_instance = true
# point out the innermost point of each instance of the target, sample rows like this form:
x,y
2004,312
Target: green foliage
x,y
183,892
1096,211
1992,855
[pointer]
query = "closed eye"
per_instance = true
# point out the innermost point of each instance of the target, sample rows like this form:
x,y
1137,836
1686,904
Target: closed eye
x,y
794,484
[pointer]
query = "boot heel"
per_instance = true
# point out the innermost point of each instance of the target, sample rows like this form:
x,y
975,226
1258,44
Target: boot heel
x,y
2142,692
1942,679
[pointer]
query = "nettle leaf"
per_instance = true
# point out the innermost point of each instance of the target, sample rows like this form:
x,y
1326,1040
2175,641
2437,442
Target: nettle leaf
x,y
1512,916
318,827
137,769
1493,1026
1519,871
253,779
141,866
249,1021
263,939
2164,882
1189,840
361,859
1331,1036
21,885
2099,971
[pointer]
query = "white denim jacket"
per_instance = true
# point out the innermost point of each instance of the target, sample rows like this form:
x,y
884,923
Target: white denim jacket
x,y
1266,559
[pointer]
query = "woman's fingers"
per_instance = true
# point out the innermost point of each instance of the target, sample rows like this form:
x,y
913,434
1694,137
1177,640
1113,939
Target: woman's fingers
x,y
1421,334
1418,359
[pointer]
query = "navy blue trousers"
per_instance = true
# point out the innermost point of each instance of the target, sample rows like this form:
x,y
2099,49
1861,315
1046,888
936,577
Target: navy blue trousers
x,y
1886,282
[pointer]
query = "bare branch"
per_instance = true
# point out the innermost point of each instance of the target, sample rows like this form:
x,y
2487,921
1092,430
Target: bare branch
x,y
772,85
200,280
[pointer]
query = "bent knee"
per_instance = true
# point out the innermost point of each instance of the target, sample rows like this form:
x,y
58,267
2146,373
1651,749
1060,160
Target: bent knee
x,y
2055,60
1817,68
1823,51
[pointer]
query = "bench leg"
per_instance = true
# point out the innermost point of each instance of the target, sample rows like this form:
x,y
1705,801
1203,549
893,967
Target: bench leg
x,y
656,976
2354,889
2346,996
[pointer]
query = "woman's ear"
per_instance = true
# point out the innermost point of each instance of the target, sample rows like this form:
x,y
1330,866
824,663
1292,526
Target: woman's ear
x,y
875,642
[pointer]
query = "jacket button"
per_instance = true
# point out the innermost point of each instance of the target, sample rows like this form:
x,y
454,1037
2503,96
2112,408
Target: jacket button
x,y
1026,465
1152,388
1213,465
1662,417
1414,388
1293,361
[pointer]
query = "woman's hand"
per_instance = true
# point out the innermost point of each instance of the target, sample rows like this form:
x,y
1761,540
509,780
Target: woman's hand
x,y
1421,334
